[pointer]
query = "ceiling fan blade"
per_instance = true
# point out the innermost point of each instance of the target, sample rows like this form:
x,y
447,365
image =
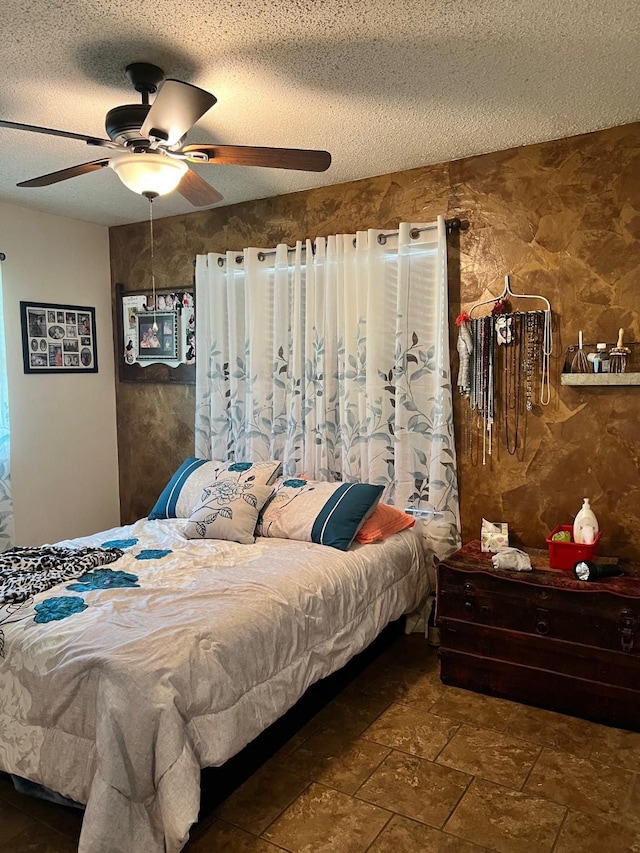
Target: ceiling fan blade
x,y
276,158
197,191
90,140
63,174
177,107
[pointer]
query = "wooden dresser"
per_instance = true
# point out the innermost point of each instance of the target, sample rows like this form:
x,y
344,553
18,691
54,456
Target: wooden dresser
x,y
542,637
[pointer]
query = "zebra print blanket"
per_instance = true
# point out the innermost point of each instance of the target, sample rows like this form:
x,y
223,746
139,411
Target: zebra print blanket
x,y
27,571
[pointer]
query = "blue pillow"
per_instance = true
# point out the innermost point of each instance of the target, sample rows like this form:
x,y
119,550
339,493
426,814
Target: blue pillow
x,y
325,513
182,493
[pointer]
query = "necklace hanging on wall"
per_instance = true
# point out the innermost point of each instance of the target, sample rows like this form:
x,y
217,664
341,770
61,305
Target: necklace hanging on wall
x,y
491,396
547,346
482,380
514,350
512,384
533,351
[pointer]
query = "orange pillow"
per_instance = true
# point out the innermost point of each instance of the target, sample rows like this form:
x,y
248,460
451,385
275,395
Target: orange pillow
x,y
384,521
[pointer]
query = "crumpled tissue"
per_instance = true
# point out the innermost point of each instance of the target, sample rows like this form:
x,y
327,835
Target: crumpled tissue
x,y
512,558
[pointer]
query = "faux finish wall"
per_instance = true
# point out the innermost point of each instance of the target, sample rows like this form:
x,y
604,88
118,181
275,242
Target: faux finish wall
x,y
562,218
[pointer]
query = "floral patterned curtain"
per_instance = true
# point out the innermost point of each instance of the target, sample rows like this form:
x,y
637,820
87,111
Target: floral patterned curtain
x,y
334,358
6,502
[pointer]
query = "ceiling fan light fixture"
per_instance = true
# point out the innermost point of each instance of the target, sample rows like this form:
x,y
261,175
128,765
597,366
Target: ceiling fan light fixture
x,y
148,173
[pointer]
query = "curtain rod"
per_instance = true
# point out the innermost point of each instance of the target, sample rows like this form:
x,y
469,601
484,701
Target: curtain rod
x,y
3,257
451,225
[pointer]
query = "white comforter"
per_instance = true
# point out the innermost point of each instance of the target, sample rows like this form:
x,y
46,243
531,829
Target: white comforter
x,y
120,704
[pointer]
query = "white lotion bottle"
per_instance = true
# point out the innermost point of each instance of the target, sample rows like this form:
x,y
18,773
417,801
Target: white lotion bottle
x,y
585,525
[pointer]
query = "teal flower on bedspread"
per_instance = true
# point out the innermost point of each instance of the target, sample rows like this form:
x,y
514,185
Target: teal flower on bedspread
x,y
52,609
104,579
240,466
153,553
119,543
295,483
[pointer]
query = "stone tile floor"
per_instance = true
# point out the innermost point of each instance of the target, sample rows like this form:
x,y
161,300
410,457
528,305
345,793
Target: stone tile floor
x,y
399,763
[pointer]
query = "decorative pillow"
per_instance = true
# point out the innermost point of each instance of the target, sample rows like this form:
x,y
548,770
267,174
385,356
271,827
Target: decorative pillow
x,y
181,494
383,522
325,513
228,509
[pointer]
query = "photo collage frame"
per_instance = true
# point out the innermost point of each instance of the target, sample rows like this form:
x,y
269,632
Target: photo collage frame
x,y
160,331
58,338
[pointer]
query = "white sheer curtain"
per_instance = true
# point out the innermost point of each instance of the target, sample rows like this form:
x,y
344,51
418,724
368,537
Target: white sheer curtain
x,y
334,358
6,501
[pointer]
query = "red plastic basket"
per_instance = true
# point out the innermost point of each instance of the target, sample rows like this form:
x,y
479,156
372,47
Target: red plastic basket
x,y
564,555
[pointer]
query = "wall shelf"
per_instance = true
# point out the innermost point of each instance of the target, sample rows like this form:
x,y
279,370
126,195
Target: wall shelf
x,y
590,379
630,377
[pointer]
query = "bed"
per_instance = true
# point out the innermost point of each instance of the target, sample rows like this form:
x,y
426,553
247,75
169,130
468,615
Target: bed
x,y
174,659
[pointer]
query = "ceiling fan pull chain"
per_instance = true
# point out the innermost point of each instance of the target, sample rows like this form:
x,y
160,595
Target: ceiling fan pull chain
x,y
153,278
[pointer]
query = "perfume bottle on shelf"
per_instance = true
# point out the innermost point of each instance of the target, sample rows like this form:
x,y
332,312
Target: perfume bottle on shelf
x,y
599,359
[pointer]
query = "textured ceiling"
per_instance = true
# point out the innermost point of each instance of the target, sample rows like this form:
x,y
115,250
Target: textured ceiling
x,y
384,85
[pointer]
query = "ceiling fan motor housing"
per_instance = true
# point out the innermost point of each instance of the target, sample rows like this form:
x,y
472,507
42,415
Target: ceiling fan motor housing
x,y
123,124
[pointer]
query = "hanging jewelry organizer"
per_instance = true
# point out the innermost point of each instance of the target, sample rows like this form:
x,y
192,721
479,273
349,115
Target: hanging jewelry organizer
x,y
504,366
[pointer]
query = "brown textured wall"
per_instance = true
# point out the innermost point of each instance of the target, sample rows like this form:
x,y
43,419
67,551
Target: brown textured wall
x,y
562,218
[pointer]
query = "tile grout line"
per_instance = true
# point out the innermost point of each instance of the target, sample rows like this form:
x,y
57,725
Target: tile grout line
x,y
533,764
281,812
275,844
458,801
280,764
560,828
376,768
329,788
378,834
413,817
449,739
529,774
412,754
616,817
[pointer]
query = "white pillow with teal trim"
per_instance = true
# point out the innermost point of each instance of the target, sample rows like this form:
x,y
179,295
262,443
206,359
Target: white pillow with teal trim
x,y
228,509
183,491
325,513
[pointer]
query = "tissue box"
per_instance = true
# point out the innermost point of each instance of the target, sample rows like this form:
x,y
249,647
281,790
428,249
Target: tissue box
x,y
494,536
564,555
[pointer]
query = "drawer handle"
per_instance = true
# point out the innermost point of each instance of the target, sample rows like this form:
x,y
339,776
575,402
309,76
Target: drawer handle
x,y
468,597
542,621
627,628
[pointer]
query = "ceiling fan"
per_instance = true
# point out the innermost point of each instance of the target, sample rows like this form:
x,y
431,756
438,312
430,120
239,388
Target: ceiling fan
x,y
148,143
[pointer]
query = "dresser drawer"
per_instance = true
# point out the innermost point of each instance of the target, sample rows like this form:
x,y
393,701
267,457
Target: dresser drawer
x,y
598,619
575,659
603,703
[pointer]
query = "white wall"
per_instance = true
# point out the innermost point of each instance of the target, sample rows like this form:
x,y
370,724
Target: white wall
x,y
64,463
